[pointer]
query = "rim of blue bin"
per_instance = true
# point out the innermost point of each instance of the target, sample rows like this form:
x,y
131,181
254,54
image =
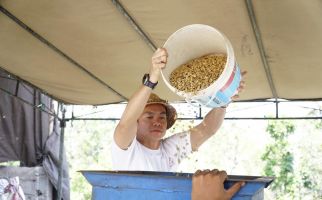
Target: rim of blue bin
x,y
267,180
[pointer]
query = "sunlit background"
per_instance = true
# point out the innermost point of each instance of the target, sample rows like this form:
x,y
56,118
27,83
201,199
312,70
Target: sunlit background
x,y
241,147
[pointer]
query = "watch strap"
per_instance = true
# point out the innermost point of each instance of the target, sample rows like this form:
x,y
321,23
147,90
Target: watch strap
x,y
146,81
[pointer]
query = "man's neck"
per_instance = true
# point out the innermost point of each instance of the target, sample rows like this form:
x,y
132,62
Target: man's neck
x,y
150,144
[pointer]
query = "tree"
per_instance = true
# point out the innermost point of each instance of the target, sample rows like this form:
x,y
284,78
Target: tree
x,y
310,158
278,159
87,145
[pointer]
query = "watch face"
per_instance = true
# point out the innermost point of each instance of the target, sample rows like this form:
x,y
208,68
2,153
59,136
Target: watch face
x,y
145,78
146,81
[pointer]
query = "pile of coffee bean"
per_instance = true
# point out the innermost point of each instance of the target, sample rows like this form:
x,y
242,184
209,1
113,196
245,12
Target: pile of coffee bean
x,y
199,73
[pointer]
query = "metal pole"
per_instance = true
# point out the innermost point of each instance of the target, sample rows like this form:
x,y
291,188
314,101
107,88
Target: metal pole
x,y
134,24
276,107
61,153
259,41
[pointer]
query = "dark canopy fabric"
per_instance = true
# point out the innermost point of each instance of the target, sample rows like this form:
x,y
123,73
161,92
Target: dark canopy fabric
x,y
27,134
19,122
92,52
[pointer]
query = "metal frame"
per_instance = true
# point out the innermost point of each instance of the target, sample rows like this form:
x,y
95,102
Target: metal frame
x,y
252,17
61,151
275,101
134,24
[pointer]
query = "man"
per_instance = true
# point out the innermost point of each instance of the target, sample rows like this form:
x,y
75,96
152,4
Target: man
x,y
138,138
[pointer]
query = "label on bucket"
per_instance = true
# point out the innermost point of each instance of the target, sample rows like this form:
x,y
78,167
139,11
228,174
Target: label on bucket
x,y
223,96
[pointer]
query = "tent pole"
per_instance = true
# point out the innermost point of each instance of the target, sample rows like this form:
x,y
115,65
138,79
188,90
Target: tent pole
x,y
276,110
261,48
135,25
61,150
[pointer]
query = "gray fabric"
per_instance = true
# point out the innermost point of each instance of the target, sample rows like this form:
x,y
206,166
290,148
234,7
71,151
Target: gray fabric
x,y
25,133
51,162
23,130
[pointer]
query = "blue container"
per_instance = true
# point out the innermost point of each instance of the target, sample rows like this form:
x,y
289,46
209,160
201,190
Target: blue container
x,y
138,185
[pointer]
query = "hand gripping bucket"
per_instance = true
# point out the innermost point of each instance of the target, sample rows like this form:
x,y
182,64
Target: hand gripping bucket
x,y
194,41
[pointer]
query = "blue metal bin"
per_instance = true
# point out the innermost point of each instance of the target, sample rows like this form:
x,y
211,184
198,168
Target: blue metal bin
x,y
141,185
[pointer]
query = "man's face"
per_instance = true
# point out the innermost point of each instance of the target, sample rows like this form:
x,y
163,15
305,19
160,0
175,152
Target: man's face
x,y
152,124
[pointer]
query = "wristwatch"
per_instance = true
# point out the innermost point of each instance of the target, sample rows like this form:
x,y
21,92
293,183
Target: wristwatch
x,y
146,81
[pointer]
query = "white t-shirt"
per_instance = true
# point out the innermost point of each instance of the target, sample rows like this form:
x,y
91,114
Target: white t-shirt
x,y
140,158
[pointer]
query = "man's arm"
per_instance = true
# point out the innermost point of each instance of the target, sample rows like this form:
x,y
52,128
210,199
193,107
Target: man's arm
x,y
126,129
208,127
212,121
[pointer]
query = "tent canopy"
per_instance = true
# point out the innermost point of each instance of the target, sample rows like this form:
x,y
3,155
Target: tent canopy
x,y
89,52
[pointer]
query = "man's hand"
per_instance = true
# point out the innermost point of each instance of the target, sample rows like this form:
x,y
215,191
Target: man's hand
x,y
159,60
240,87
209,185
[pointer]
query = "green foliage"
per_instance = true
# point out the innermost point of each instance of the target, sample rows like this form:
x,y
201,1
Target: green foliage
x,y
88,148
278,157
317,112
10,163
294,160
318,125
280,130
310,168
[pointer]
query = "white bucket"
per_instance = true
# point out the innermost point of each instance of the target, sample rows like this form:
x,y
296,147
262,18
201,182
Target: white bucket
x,y
194,41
